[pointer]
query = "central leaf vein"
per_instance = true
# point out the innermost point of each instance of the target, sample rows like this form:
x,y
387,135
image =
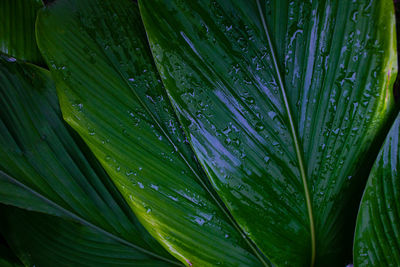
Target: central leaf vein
x,y
294,135
215,198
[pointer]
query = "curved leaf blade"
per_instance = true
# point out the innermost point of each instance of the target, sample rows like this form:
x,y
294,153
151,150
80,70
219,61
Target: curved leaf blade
x,y
7,257
280,100
17,29
377,237
110,93
44,166
44,240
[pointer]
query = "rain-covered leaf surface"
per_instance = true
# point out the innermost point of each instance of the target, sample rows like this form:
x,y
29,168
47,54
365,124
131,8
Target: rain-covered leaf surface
x,y
111,94
46,168
377,237
280,101
17,29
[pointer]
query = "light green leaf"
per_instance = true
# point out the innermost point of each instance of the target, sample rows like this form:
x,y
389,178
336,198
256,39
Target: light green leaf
x,y
377,237
280,101
44,240
45,167
17,29
110,93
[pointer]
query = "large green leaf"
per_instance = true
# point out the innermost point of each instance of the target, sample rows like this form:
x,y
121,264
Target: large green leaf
x,y
44,240
17,29
111,94
46,168
377,237
280,101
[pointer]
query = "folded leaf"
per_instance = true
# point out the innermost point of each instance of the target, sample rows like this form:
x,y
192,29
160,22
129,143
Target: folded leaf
x,y
280,101
377,237
44,240
110,93
45,167
17,29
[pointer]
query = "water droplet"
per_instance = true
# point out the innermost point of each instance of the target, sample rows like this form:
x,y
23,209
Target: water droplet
x,y
200,221
354,16
155,187
322,147
272,114
91,131
173,198
259,127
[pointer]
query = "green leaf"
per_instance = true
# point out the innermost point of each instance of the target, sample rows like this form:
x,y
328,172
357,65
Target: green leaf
x,y
377,237
45,167
110,93
17,29
7,257
7,263
44,240
280,101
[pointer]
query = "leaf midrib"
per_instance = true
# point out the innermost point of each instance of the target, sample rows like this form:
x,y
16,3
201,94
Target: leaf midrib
x,y
294,134
83,221
219,203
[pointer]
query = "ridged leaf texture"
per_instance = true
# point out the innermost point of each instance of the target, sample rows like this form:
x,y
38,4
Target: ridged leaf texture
x,y
45,167
111,94
45,240
280,101
17,29
377,237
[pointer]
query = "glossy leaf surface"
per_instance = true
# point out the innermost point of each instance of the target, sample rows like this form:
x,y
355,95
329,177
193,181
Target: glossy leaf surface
x,y
44,240
111,94
280,101
17,29
377,237
44,166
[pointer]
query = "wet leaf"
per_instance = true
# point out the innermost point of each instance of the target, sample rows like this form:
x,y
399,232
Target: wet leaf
x,y
45,167
280,101
377,237
111,94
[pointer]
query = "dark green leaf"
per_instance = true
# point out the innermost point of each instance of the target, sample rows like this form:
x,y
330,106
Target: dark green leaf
x,y
17,29
46,168
44,240
377,237
280,101
7,257
110,93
